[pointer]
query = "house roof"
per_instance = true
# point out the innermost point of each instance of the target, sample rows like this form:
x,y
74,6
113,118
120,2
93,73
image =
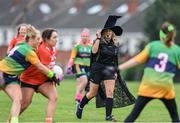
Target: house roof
x,y
29,11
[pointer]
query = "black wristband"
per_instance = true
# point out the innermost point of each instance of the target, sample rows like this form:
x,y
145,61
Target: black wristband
x,y
98,38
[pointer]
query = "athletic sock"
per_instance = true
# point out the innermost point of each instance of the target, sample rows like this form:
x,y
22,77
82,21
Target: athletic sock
x,y
78,97
14,120
84,101
109,105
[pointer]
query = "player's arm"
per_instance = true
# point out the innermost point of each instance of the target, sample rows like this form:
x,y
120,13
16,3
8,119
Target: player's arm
x,y
95,46
72,57
73,53
11,45
34,60
179,65
138,59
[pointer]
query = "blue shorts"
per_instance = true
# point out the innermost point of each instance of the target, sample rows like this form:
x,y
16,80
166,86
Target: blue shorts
x,y
84,70
6,79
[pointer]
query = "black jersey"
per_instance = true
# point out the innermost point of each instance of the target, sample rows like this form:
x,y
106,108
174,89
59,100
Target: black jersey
x,y
107,53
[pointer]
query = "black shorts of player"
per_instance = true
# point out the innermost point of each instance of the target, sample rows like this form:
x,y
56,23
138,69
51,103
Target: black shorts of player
x,y
100,72
84,70
27,85
7,79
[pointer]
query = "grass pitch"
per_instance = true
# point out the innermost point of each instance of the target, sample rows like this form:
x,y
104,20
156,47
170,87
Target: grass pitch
x,y
155,111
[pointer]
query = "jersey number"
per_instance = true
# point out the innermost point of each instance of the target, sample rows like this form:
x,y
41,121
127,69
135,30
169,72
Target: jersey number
x,y
161,66
11,52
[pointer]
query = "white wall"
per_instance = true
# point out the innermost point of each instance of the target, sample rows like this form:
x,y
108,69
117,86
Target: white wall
x,y
68,37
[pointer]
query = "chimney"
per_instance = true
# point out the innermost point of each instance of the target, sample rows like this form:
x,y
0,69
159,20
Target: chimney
x,y
132,6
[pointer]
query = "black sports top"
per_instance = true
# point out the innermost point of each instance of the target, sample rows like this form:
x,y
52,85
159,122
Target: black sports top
x,y
107,53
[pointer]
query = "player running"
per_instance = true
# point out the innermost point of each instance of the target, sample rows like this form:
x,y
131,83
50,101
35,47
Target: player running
x,y
16,62
32,80
162,59
80,60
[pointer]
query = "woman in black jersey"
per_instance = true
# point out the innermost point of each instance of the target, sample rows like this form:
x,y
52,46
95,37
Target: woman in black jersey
x,y
104,66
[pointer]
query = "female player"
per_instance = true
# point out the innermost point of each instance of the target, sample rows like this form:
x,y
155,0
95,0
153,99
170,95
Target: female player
x,y
162,59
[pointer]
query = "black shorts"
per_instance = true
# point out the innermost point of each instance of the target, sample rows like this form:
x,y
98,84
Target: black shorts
x,y
100,72
35,87
26,85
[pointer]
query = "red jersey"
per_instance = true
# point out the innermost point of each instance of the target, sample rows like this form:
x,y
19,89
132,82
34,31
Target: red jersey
x,y
15,41
47,57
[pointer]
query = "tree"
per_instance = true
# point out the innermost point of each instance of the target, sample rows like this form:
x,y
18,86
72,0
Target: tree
x,y
159,12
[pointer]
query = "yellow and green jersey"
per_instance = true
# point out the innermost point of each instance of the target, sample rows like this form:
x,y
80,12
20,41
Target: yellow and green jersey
x,y
19,59
81,54
161,65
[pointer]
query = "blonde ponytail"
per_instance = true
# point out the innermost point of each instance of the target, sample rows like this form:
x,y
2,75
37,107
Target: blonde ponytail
x,y
31,32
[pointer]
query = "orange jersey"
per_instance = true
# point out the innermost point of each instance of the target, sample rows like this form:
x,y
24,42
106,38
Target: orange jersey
x,y
47,57
15,41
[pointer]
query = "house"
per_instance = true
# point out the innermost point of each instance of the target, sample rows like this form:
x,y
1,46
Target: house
x,y
70,17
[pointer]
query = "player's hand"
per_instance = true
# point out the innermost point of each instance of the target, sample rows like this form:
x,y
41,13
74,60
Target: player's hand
x,y
56,80
69,71
61,77
98,34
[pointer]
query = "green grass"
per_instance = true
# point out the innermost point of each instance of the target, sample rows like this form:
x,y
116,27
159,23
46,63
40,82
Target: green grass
x,y
65,111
